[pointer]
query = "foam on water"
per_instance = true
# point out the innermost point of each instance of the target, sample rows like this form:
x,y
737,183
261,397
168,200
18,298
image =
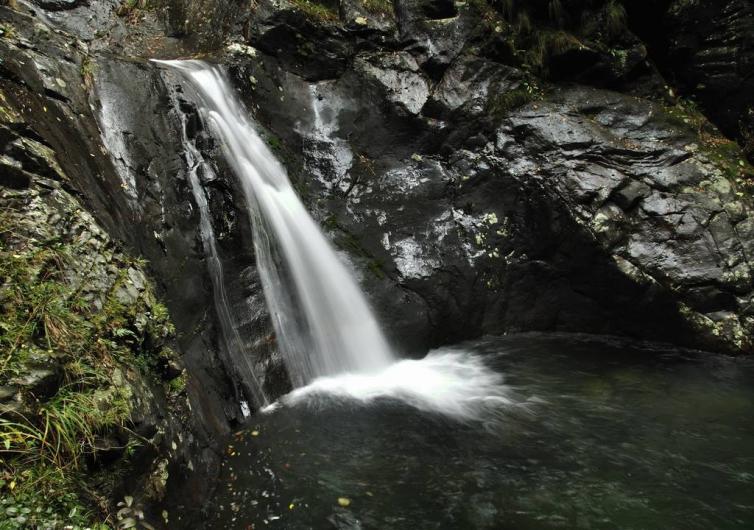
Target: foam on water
x,y
451,382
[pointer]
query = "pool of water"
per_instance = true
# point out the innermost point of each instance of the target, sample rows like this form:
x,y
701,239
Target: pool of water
x,y
593,433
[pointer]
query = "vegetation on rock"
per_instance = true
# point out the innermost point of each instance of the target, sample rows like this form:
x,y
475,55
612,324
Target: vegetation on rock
x,y
723,152
82,339
316,10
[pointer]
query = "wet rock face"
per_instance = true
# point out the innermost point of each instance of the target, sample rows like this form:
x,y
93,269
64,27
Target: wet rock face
x,y
706,49
58,5
474,201
652,198
470,86
97,332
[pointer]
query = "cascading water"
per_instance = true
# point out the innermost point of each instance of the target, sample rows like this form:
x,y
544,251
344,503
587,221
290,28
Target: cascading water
x,y
331,342
323,323
195,163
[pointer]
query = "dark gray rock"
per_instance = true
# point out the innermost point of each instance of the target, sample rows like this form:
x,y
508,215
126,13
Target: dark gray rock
x,y
379,20
471,86
40,382
631,194
706,49
59,5
399,76
315,49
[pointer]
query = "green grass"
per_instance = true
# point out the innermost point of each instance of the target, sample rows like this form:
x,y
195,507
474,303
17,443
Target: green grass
x,y
379,7
46,319
43,496
316,10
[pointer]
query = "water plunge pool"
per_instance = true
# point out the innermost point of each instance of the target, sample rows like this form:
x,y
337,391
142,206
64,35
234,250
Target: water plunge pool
x,y
597,433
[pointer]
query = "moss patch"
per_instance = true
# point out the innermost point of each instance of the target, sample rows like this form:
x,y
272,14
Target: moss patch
x,y
500,105
316,10
345,240
379,7
87,73
723,152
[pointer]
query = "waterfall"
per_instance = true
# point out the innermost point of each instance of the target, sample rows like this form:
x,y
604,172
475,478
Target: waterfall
x,y
323,323
234,345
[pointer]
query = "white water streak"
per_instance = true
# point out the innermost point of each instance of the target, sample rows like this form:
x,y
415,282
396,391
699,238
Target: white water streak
x,y
323,323
195,163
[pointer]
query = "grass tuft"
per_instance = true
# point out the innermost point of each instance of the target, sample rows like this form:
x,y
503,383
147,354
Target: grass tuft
x,y
379,7
316,10
84,342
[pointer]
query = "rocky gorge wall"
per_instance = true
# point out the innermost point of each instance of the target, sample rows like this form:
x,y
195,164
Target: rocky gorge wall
x,y
93,404
496,168
484,167
73,121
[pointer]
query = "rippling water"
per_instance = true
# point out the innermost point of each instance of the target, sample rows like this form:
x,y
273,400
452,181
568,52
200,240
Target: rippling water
x,y
588,433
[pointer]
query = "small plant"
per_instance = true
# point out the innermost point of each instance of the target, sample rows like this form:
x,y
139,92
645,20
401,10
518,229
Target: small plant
x,y
130,515
87,73
7,31
502,104
132,10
